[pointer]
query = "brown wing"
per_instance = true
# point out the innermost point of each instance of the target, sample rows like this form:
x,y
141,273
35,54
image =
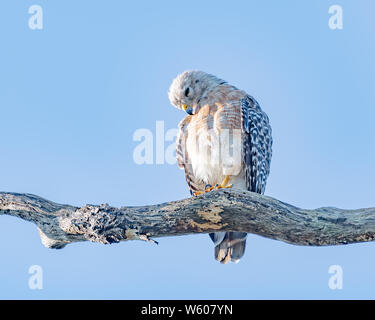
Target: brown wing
x,y
183,160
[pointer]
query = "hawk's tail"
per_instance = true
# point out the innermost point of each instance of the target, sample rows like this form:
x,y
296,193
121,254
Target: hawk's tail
x,y
229,246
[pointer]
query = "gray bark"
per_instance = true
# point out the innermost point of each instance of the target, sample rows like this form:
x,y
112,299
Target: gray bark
x,y
219,210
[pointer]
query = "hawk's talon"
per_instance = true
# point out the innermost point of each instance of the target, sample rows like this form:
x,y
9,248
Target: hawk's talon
x,y
220,186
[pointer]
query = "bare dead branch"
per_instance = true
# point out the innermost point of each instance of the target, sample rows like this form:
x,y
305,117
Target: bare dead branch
x,y
221,210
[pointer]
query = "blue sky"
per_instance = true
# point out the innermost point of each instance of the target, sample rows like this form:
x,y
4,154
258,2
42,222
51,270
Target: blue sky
x,y
73,94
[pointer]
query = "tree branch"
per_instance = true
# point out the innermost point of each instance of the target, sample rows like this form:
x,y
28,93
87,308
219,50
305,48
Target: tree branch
x,y
222,210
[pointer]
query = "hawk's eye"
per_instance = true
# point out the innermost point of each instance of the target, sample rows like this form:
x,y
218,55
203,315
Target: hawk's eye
x,y
187,92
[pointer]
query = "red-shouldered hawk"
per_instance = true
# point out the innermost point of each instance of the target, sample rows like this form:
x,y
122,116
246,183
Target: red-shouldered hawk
x,y
225,141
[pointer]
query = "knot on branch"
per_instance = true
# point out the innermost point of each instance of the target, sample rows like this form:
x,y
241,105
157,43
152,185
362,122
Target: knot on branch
x,y
103,224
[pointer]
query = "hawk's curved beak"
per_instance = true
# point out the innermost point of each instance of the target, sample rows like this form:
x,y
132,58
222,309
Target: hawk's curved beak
x,y
188,109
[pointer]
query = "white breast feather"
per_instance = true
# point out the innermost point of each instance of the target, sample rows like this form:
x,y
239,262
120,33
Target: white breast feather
x,y
216,153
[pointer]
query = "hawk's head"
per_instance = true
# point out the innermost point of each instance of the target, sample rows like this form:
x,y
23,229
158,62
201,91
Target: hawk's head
x,y
190,87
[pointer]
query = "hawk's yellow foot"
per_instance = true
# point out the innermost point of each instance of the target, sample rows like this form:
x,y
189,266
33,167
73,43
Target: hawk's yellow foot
x,y
224,184
207,188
